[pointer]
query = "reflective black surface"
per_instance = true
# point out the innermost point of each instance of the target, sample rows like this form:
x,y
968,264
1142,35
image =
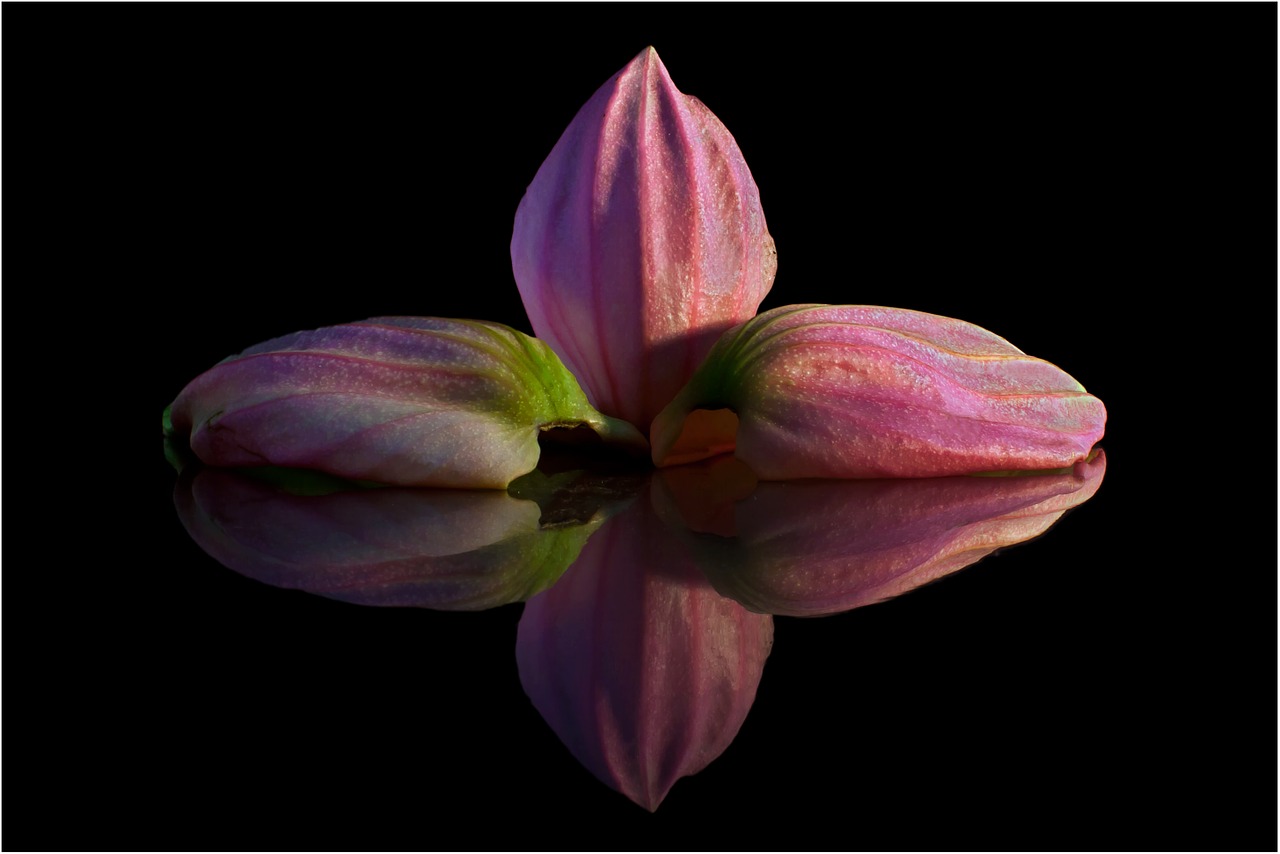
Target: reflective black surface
x,y
649,595
1092,183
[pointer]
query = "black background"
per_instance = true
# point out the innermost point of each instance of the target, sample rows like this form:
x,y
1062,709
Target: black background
x,y
1094,182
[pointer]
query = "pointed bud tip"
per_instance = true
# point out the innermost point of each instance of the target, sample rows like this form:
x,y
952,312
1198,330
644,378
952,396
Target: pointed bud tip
x,y
675,242
647,59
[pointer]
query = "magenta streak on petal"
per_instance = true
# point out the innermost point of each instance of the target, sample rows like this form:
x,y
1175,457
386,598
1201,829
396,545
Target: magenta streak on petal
x,y
650,162
827,374
875,374
868,437
694,349
957,335
548,310
620,265
992,374
566,217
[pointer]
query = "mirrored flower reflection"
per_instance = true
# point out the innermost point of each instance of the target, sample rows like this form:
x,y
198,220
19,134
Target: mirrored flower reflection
x,y
643,670
648,602
811,548
449,550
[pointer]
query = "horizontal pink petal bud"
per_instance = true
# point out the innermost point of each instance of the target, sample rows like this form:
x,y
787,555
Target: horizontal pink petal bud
x,y
816,547
643,670
864,392
453,550
640,240
410,401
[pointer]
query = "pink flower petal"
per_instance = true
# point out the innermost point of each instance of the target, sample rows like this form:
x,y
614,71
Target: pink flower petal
x,y
640,240
863,391
411,401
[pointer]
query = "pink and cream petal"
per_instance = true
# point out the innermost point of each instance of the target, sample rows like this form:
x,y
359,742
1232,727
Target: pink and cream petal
x,y
640,240
409,401
867,392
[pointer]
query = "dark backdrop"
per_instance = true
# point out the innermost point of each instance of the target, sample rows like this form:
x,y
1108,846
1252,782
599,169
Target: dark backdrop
x,y
1095,182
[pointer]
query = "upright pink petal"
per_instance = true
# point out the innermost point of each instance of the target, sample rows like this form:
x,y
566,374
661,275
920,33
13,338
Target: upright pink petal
x,y
641,668
640,240
864,391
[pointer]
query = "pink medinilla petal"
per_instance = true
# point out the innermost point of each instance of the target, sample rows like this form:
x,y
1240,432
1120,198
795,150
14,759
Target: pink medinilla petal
x,y
641,668
865,392
454,550
810,548
410,401
640,240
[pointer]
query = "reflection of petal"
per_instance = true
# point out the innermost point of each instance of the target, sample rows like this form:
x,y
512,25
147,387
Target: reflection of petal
x,y
641,668
863,391
811,548
410,401
703,496
445,549
640,240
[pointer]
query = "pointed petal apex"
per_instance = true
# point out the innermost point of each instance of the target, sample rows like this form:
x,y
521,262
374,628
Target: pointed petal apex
x,y
640,240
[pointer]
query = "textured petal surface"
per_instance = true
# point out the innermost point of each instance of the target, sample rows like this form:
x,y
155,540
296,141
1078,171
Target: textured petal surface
x,y
412,401
641,668
454,550
866,392
640,240
811,548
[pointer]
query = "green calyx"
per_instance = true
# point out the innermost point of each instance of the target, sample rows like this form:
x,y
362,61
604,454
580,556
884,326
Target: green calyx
x,y
554,398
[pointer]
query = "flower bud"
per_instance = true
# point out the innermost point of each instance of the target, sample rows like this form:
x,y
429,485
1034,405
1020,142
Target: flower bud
x,y
865,392
408,401
640,240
